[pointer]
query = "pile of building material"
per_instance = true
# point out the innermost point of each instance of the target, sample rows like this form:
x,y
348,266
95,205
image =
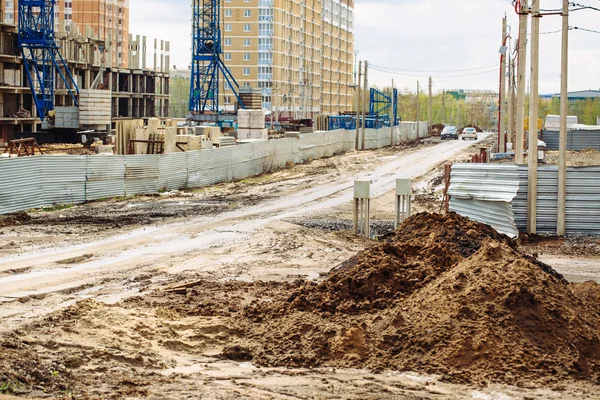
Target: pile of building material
x,y
95,108
251,125
251,98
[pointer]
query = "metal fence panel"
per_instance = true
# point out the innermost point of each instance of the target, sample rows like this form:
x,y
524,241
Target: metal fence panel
x,y
215,165
576,139
244,163
63,179
105,177
141,174
172,171
483,192
21,186
193,168
583,201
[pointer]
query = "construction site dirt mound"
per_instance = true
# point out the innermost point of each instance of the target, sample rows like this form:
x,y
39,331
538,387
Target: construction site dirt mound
x,y
442,295
406,260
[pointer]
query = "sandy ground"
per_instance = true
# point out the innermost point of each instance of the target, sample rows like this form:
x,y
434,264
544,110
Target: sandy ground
x,y
84,291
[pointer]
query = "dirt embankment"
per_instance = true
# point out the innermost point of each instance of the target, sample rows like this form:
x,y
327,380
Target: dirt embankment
x,y
442,295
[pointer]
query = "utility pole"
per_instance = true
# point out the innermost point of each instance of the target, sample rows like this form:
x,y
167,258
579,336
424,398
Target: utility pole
x,y
562,141
364,112
502,91
521,79
430,106
392,115
532,194
358,103
511,98
418,108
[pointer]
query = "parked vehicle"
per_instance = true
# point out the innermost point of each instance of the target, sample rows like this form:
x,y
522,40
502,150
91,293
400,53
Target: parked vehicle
x,y
469,133
449,132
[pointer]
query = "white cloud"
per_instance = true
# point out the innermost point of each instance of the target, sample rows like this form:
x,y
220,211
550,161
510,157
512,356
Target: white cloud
x,y
419,35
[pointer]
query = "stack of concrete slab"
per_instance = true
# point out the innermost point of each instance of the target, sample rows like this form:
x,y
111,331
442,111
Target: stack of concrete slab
x,y
213,133
251,125
95,107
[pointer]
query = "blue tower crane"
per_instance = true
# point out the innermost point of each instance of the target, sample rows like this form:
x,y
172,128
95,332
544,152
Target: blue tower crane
x,y
207,64
41,55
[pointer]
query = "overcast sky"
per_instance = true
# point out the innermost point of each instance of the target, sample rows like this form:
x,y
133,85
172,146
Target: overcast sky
x,y
415,36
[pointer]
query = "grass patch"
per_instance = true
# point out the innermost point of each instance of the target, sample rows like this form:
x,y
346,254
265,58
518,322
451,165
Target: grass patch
x,y
54,208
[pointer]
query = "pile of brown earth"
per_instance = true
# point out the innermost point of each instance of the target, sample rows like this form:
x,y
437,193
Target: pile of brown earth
x,y
14,219
437,129
442,295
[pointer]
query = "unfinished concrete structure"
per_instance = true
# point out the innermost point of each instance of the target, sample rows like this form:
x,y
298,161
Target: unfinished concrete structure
x,y
136,91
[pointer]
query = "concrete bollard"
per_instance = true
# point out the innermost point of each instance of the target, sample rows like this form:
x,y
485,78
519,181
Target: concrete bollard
x,y
403,201
362,208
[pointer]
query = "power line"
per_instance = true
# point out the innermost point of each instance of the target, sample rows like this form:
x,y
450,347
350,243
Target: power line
x,y
583,29
495,69
436,71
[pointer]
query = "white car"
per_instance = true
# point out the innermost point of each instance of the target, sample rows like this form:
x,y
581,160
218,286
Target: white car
x,y
469,133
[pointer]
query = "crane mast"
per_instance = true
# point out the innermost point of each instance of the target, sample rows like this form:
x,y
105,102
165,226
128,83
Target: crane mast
x,y
41,55
207,64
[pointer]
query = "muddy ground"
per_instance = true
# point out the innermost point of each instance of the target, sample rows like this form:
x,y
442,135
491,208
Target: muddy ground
x,y
169,327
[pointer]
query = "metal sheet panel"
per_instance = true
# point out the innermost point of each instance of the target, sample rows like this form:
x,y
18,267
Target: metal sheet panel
x,y
492,182
497,214
576,140
105,177
245,162
193,168
21,186
141,174
215,165
483,192
583,200
172,171
63,179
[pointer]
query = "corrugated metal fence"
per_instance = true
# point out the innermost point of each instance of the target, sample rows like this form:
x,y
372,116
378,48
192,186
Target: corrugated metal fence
x,y
576,140
481,191
45,181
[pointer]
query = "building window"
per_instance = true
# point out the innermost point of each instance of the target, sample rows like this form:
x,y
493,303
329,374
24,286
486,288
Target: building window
x,y
246,71
247,42
228,13
227,56
246,56
227,99
227,27
246,27
247,13
227,41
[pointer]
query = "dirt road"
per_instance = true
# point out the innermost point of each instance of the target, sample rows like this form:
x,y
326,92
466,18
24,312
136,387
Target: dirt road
x,y
108,266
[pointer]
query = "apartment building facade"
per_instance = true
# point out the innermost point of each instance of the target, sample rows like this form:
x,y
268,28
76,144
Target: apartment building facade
x,y
102,20
300,53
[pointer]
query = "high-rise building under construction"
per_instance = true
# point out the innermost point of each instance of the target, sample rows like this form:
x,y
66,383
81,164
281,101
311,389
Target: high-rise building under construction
x,y
300,53
104,20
